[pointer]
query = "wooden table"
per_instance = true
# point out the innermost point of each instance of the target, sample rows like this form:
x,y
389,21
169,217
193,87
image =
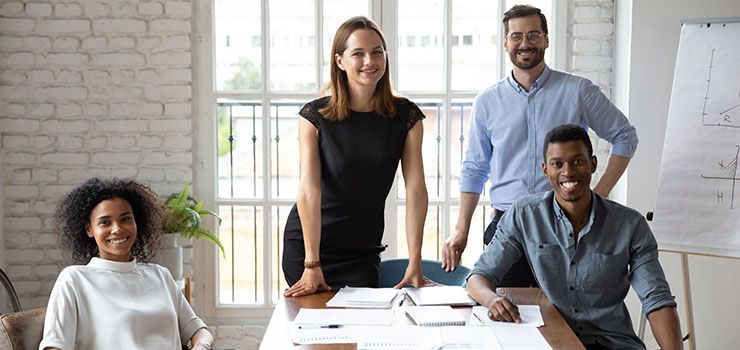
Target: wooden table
x,y
556,331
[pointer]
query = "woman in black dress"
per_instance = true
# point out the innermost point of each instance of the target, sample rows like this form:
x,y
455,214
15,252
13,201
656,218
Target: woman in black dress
x,y
350,144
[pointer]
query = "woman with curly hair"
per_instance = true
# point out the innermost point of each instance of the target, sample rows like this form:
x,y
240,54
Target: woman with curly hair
x,y
118,299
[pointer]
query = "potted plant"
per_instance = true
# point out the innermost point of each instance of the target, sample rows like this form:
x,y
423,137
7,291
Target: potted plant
x,y
183,215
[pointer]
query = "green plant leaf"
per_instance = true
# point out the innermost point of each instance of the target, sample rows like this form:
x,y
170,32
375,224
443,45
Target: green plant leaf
x,y
184,215
203,233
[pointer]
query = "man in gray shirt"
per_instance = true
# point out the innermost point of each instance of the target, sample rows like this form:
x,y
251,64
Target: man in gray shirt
x,y
585,252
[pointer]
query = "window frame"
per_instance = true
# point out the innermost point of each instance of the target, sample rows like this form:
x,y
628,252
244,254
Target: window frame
x,y
205,256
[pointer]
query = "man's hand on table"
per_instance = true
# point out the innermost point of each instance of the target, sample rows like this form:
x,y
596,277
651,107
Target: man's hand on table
x,y
502,309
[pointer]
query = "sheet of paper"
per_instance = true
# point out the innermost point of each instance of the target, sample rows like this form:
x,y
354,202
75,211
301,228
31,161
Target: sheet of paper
x,y
344,317
477,338
530,314
514,337
322,336
400,337
347,294
446,295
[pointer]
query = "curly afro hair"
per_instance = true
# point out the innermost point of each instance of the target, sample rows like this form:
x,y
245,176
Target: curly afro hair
x,y
73,212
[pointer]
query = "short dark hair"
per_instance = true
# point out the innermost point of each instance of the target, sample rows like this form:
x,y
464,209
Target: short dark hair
x,y
73,212
565,133
517,11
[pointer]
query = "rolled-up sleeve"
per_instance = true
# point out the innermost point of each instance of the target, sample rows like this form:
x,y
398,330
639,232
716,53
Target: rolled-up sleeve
x,y
646,274
477,163
608,121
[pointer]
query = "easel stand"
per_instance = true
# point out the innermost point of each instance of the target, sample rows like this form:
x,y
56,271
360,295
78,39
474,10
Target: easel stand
x,y
684,252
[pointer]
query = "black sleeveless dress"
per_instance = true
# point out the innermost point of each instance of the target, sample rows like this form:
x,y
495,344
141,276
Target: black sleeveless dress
x,y
359,158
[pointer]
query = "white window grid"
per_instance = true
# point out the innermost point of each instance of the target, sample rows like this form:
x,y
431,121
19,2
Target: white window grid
x,y
384,13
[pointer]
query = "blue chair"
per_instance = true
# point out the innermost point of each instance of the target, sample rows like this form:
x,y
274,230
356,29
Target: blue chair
x,y
392,271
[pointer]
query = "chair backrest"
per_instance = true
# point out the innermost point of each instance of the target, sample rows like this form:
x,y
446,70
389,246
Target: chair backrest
x,y
22,330
12,295
392,271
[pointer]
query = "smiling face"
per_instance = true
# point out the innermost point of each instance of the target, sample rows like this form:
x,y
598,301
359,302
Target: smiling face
x,y
526,55
113,226
568,167
363,59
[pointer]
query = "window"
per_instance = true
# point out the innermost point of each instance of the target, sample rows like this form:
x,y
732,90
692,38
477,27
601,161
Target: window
x,y
257,73
467,40
410,41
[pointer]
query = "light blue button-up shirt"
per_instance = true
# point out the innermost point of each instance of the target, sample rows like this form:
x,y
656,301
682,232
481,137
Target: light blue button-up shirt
x,y
586,280
509,124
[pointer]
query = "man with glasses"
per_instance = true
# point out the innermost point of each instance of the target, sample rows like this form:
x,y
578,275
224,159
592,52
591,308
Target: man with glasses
x,y
509,122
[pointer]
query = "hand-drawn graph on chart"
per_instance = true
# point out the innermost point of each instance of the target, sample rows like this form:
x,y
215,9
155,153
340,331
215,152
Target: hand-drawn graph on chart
x,y
727,172
721,106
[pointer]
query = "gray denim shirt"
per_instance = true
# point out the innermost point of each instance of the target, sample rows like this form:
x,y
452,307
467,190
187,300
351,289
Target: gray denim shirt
x,y
588,281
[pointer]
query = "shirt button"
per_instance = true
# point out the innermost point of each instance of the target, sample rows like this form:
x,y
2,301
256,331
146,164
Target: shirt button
x,y
541,246
531,168
571,288
531,190
572,263
531,145
530,121
570,235
530,98
576,310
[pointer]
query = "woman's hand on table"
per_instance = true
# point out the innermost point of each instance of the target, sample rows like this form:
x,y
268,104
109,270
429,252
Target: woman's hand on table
x,y
311,282
414,277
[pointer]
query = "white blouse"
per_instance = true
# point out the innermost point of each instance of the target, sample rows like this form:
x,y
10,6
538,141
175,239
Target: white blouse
x,y
117,305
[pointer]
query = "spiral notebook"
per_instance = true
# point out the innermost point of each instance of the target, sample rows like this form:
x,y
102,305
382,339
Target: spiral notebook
x,y
379,297
445,295
435,316
382,298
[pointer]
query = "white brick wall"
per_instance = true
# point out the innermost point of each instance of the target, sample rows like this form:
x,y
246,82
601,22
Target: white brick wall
x,y
87,88
591,34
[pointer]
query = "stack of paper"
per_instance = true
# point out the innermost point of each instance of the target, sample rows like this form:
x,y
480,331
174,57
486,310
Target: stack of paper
x,y
446,295
434,316
383,298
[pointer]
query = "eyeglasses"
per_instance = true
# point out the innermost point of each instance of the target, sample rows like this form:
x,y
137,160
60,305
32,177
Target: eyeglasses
x,y
533,37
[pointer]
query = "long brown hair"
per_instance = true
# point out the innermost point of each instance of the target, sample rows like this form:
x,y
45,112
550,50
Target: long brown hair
x,y
338,87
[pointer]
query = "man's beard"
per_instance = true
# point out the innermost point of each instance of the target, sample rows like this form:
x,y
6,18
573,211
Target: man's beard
x,y
535,59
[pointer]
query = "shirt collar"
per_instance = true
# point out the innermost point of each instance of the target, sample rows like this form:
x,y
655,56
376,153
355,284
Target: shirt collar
x,y
112,265
560,215
538,84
